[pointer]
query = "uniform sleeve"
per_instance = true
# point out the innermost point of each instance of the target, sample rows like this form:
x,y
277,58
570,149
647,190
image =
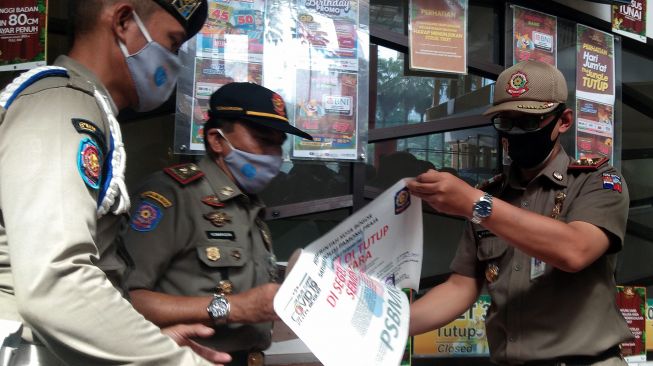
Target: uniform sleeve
x,y
465,262
603,201
50,220
151,241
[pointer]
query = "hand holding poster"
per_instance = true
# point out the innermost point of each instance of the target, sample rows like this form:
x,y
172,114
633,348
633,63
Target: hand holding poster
x,y
340,297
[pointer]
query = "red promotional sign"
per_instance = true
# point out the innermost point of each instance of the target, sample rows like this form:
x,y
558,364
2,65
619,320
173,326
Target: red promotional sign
x,y
22,34
535,36
630,20
632,303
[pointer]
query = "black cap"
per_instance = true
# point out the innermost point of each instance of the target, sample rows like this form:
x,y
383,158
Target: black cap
x,y
190,13
253,103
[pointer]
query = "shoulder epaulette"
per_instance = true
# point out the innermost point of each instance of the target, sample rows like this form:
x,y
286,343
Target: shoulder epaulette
x,y
587,164
13,90
184,173
490,182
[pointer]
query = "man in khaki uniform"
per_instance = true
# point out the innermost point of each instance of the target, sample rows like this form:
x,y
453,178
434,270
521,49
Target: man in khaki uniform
x,y
62,191
201,250
546,248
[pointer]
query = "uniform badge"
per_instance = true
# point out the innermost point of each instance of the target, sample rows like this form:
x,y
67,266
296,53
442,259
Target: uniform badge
x,y
226,191
89,160
217,218
159,198
517,84
184,173
212,201
147,217
278,104
612,182
558,176
89,128
213,253
491,272
224,287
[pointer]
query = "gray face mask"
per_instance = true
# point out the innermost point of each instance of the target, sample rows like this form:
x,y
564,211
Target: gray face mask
x,y
253,172
154,70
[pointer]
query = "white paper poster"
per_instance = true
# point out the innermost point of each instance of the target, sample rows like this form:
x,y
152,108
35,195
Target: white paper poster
x,y
343,296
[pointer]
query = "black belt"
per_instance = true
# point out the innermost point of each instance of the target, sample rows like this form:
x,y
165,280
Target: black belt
x,y
578,360
247,358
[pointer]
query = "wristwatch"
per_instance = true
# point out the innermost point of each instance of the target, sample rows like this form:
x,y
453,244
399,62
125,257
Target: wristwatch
x,y
482,208
219,309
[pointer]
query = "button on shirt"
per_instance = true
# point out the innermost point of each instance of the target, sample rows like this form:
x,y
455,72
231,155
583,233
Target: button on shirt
x,y
556,313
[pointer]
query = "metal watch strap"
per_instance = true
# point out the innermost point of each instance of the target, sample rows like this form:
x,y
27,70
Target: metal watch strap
x,y
482,208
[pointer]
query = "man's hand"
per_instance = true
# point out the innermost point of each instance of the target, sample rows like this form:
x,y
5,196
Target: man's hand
x,y
445,192
182,334
253,305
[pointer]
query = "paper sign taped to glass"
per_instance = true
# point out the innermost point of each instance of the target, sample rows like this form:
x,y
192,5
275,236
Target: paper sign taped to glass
x,y
343,296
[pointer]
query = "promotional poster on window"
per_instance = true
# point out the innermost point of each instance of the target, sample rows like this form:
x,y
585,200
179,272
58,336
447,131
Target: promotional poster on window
x,y
649,324
307,51
23,34
594,129
343,295
437,32
463,337
631,301
630,20
535,36
595,78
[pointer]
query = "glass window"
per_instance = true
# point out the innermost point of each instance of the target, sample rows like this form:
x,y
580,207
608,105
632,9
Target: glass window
x,y
388,14
405,100
471,154
483,37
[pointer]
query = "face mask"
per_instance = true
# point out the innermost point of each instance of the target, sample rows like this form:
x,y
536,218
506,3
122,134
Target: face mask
x,y
252,171
153,69
527,150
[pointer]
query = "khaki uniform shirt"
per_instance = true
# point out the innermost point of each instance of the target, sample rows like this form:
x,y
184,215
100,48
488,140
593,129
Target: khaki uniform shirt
x,y
556,313
51,243
181,252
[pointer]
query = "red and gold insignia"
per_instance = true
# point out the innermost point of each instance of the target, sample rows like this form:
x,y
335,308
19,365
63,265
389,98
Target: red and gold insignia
x,y
212,201
517,84
587,164
89,162
184,173
278,104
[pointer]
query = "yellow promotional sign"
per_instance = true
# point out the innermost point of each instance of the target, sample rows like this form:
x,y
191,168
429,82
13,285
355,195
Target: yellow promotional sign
x,y
464,336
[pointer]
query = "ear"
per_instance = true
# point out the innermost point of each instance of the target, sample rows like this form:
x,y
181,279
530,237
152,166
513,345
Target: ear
x,y
122,16
214,143
567,120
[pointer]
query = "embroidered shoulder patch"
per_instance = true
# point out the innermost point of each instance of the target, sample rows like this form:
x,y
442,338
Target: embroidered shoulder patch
x,y
587,164
159,198
147,217
89,162
612,182
89,128
184,173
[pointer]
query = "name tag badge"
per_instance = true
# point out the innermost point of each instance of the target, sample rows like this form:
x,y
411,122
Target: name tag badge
x,y
224,235
537,268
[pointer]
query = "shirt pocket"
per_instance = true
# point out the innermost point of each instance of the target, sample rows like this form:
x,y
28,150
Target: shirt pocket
x,y
491,249
222,255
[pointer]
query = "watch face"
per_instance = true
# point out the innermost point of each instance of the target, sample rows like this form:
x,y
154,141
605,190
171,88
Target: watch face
x,y
483,208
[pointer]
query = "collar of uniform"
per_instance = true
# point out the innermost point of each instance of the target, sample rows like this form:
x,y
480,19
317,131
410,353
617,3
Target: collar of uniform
x,y
218,179
79,70
556,168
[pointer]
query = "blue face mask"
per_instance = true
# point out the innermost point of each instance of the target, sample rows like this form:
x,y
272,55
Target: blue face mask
x,y
252,171
153,69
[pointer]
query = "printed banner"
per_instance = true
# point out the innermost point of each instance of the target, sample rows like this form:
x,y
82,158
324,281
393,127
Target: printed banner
x,y
464,337
536,36
437,33
326,109
632,303
649,324
630,20
594,129
345,286
594,65
23,34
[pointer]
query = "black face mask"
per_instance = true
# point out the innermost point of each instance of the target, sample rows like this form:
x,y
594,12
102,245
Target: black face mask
x,y
529,149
